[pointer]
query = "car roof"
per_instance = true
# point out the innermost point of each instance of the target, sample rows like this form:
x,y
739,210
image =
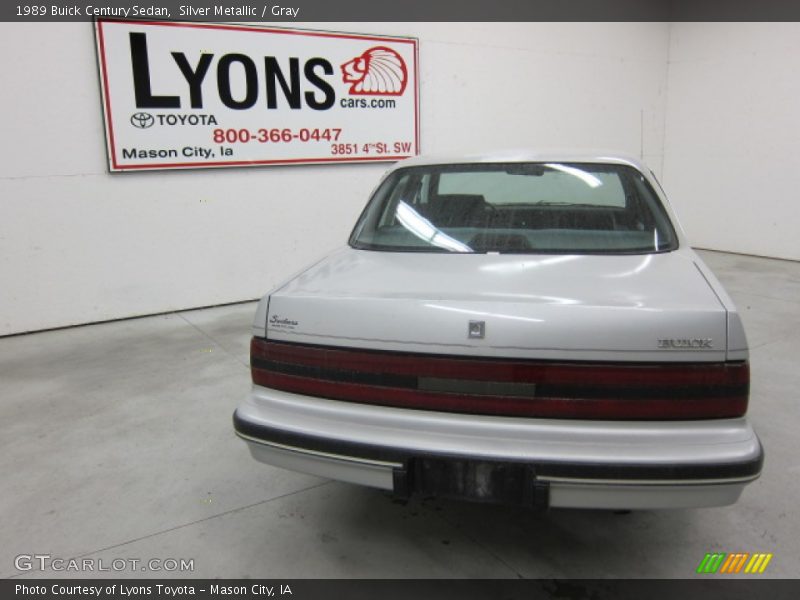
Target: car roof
x,y
524,155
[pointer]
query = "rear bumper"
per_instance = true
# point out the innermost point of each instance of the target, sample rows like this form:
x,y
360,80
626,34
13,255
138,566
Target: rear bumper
x,y
538,462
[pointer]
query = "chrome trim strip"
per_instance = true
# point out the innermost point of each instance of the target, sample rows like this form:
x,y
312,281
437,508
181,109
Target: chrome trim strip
x,y
653,482
351,459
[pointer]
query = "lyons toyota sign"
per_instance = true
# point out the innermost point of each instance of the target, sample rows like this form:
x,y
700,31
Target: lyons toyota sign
x,y
190,95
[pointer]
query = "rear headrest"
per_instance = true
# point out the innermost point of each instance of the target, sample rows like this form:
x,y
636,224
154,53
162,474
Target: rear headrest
x,y
461,201
456,210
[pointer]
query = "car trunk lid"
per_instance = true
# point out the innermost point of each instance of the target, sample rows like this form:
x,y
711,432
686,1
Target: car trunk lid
x,y
651,307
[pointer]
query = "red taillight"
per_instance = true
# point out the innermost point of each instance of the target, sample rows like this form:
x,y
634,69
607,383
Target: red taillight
x,y
579,390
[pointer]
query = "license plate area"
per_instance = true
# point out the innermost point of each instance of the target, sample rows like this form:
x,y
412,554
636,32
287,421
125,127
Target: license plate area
x,y
475,480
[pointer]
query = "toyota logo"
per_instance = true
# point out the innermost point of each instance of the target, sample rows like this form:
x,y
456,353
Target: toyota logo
x,y
142,120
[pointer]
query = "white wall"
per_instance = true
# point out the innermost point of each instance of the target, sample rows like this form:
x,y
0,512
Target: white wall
x,y
79,245
732,149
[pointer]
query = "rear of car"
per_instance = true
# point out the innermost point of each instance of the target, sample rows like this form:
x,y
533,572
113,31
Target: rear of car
x,y
525,330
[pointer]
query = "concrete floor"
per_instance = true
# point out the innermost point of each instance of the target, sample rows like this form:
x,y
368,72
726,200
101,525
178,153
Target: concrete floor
x,y
117,444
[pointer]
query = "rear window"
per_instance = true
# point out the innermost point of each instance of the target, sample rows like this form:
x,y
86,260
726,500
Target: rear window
x,y
516,208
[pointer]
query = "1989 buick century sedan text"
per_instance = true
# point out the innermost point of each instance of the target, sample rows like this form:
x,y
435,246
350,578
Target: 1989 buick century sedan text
x,y
524,329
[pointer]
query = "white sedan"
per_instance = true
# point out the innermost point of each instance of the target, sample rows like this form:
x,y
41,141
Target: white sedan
x,y
525,329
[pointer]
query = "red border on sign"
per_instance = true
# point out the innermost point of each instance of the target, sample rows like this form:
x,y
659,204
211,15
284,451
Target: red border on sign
x,y
246,163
